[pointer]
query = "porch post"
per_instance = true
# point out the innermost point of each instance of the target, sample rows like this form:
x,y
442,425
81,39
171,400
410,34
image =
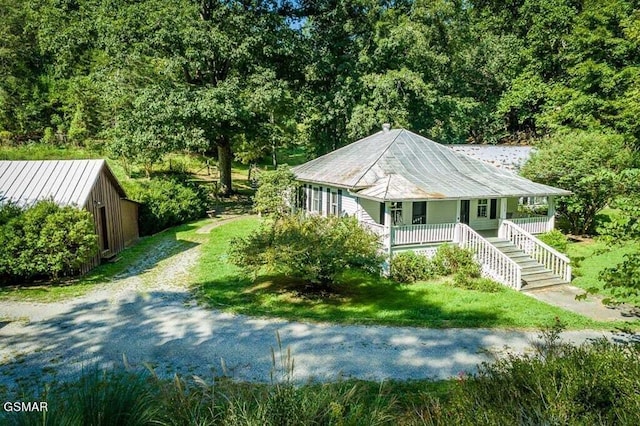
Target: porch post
x,y
458,211
388,225
503,216
551,213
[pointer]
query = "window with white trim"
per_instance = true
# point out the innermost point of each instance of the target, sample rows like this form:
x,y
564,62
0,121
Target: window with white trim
x,y
483,207
316,201
333,205
396,213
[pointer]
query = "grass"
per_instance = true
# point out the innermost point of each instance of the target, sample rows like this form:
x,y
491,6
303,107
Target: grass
x,y
591,257
558,383
365,300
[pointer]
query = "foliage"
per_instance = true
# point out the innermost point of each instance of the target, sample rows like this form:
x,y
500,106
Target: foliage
x,y
555,239
167,201
560,384
409,267
277,191
586,163
482,284
451,259
45,240
624,278
315,249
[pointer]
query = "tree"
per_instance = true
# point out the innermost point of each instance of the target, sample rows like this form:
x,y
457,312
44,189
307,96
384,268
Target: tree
x,y
586,163
315,249
276,192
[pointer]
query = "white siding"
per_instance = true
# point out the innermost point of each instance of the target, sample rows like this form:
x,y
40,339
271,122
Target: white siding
x,y
482,223
349,204
370,210
442,211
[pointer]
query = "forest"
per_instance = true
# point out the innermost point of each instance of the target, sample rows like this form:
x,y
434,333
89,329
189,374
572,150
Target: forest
x,y
241,80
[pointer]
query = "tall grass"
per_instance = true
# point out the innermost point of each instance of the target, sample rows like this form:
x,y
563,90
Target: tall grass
x,y
595,383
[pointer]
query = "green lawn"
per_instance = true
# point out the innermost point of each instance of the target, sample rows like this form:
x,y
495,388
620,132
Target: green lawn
x,y
365,300
592,257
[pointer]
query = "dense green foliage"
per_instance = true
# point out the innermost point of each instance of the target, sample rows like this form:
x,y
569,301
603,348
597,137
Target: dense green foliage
x,y
246,78
44,241
316,249
277,191
595,383
587,163
408,267
167,201
555,239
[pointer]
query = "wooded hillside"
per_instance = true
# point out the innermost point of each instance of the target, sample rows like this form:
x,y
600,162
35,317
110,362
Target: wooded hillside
x,y
244,78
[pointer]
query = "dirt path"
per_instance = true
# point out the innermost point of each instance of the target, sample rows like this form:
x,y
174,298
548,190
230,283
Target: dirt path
x,y
147,316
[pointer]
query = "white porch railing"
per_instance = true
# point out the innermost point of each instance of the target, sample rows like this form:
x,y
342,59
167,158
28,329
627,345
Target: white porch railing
x,y
495,264
376,228
535,225
553,260
420,234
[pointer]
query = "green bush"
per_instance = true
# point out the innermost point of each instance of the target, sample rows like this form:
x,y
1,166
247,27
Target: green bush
x,y
596,383
477,283
449,259
555,239
45,241
315,249
409,267
167,202
276,192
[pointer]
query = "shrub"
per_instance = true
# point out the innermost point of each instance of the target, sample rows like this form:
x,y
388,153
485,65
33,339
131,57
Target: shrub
x,y
47,241
449,259
409,267
276,192
485,285
555,239
595,383
167,202
315,249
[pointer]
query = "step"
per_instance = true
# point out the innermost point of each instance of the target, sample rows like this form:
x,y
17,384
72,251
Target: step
x,y
532,270
493,240
538,276
529,263
542,284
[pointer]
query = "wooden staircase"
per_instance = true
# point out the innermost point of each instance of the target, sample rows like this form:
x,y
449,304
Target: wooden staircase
x,y
534,274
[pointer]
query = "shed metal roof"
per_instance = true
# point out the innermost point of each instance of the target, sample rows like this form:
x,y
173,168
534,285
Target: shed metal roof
x,y
66,182
400,165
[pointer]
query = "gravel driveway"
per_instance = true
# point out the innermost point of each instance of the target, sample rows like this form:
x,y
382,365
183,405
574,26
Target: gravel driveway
x,y
148,316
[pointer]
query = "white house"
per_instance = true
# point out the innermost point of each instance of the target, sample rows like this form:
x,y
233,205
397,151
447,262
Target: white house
x,y
417,194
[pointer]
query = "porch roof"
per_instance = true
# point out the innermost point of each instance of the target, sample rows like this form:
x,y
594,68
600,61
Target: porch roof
x,y
400,165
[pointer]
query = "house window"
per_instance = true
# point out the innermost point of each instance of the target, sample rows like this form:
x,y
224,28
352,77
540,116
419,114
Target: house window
x,y
396,213
316,199
333,205
482,207
419,216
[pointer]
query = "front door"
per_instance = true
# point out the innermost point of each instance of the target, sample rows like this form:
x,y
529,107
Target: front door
x,y
465,206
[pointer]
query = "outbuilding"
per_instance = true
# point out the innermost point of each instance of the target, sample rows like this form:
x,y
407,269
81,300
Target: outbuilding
x,y
86,184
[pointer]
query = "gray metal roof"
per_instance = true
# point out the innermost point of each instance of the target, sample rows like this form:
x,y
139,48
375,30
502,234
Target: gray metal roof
x,y
508,157
401,165
66,182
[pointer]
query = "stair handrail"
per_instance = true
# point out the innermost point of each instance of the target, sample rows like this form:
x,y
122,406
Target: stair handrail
x,y
507,270
558,263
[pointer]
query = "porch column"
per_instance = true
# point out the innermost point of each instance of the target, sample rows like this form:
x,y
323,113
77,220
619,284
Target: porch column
x,y
458,211
503,216
388,226
551,213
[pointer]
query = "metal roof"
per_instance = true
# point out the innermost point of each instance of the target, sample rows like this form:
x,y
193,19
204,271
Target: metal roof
x,y
508,157
66,182
401,165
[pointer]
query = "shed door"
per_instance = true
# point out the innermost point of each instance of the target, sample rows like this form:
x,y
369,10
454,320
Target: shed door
x,y
464,211
102,223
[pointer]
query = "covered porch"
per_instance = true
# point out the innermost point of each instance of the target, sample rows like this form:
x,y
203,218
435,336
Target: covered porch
x,y
415,223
